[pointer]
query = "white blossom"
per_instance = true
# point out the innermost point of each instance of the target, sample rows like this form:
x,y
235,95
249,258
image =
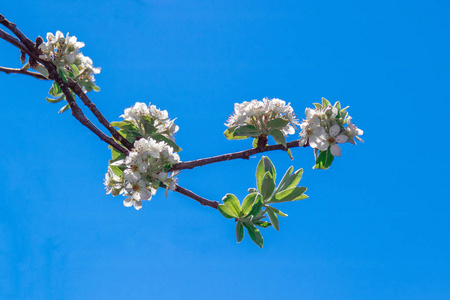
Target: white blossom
x,y
145,170
258,113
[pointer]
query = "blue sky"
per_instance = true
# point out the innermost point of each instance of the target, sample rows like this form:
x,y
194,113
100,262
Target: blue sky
x,y
376,225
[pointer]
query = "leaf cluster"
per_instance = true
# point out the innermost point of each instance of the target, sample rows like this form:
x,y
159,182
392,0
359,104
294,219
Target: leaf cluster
x,y
257,205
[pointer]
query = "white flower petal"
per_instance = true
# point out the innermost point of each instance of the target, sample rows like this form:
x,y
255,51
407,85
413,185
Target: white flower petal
x,y
335,150
137,205
128,202
334,130
145,194
342,139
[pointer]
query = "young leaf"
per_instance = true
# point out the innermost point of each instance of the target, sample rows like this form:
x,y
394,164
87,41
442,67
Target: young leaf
x,y
290,180
252,190
233,204
292,194
268,185
64,108
324,160
247,204
264,165
255,142
277,211
273,218
290,154
278,136
263,224
229,134
239,231
59,99
160,137
247,131
225,211
325,102
277,123
41,69
257,206
254,234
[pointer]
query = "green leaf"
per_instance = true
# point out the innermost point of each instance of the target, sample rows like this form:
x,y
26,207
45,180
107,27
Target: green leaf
x,y
229,134
239,231
160,137
268,186
116,155
255,142
337,105
252,190
59,99
263,224
116,170
254,234
278,136
74,69
63,75
325,102
324,160
290,154
247,131
247,204
41,69
290,180
233,204
273,218
257,206
148,126
277,211
96,88
225,211
64,108
277,123
292,194
264,165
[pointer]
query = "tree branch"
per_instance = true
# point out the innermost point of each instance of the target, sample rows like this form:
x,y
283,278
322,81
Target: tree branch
x,y
23,71
32,51
230,156
201,200
12,40
82,95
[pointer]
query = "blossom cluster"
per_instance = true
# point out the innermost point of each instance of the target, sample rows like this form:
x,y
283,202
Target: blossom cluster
x,y
326,126
64,53
161,119
142,172
259,113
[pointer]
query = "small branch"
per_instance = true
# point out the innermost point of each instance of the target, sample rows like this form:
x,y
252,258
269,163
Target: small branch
x,y
11,26
201,200
12,40
230,156
77,89
22,71
77,112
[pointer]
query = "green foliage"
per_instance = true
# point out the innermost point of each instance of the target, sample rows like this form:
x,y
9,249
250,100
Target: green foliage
x,y
324,160
144,129
256,206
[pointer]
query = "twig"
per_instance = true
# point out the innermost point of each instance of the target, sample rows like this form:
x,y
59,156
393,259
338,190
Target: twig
x,y
22,71
12,40
201,200
77,112
230,156
82,95
11,26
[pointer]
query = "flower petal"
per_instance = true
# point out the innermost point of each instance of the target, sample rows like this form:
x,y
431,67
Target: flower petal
x,y
342,139
334,130
137,205
335,150
128,202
